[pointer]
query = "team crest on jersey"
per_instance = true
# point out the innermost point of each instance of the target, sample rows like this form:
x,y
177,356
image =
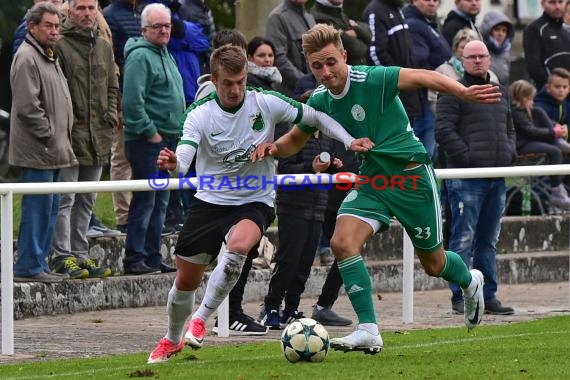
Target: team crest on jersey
x,y
357,112
256,122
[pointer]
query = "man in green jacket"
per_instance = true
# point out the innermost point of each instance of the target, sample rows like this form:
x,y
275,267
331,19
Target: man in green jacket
x,y
153,105
87,62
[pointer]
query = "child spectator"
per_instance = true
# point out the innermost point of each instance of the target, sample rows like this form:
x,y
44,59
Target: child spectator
x,y
498,33
536,133
553,98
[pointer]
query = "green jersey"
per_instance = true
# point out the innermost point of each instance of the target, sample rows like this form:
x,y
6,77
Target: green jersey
x,y
369,106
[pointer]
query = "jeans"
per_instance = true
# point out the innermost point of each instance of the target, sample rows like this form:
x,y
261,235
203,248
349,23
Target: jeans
x,y
424,129
147,210
70,238
37,225
476,207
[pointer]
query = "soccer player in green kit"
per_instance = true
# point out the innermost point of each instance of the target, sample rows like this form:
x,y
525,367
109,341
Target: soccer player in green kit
x,y
364,100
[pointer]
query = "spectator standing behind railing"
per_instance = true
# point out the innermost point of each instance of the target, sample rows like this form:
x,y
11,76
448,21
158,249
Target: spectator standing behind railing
x,y
40,137
284,27
153,104
87,62
22,29
498,33
536,133
462,17
553,98
431,50
476,135
546,43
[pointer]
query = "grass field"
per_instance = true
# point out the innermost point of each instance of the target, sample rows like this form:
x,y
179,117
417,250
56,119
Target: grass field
x,y
530,350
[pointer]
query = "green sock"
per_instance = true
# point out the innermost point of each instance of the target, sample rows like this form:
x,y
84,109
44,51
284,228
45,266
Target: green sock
x,y
358,288
455,270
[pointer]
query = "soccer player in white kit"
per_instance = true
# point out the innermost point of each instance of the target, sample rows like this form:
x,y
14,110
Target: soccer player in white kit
x,y
235,205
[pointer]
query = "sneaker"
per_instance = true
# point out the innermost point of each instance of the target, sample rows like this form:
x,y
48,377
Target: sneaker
x,y
92,233
360,340
326,256
70,266
494,306
458,308
559,197
45,277
243,324
272,320
94,270
139,268
97,225
473,300
195,333
327,317
168,230
289,316
164,350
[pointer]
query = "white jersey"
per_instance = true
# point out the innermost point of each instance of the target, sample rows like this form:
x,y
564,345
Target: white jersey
x,y
224,140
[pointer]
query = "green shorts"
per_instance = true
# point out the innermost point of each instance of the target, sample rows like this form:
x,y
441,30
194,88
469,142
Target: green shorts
x,y
409,195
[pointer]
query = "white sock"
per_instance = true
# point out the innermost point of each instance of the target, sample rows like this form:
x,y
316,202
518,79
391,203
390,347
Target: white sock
x,y
178,307
372,328
221,282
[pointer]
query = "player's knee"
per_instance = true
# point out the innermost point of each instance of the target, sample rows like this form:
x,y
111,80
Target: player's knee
x,y
432,262
342,248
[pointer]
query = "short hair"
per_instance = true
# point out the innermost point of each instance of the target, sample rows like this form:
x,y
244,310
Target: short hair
x,y
71,2
150,8
519,90
231,58
319,36
36,13
464,34
256,42
559,72
229,37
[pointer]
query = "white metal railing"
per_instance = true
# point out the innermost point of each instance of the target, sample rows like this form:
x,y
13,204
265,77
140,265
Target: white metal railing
x,y
7,190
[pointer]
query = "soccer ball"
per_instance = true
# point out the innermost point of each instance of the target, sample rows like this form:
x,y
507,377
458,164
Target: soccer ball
x,y
305,340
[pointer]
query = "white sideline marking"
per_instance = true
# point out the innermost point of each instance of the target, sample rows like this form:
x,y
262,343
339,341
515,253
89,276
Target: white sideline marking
x,y
393,347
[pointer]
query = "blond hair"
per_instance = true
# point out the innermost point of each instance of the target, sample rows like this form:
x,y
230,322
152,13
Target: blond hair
x,y
320,36
520,90
231,58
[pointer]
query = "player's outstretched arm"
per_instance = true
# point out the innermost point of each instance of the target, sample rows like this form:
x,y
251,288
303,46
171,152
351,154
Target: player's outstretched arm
x,y
410,79
287,145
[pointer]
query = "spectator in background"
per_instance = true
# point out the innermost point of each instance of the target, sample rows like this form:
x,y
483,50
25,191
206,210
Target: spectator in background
x,y
553,98
300,216
536,133
546,43
284,27
261,69
392,45
87,62
356,36
22,29
498,33
153,104
462,17
40,138
476,135
431,50
198,12
124,19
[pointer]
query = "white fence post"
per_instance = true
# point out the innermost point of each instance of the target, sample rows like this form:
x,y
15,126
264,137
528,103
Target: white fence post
x,y
408,280
7,274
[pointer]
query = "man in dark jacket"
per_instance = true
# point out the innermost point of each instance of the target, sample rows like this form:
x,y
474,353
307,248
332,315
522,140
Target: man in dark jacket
x,y
430,50
392,45
476,135
462,17
546,43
